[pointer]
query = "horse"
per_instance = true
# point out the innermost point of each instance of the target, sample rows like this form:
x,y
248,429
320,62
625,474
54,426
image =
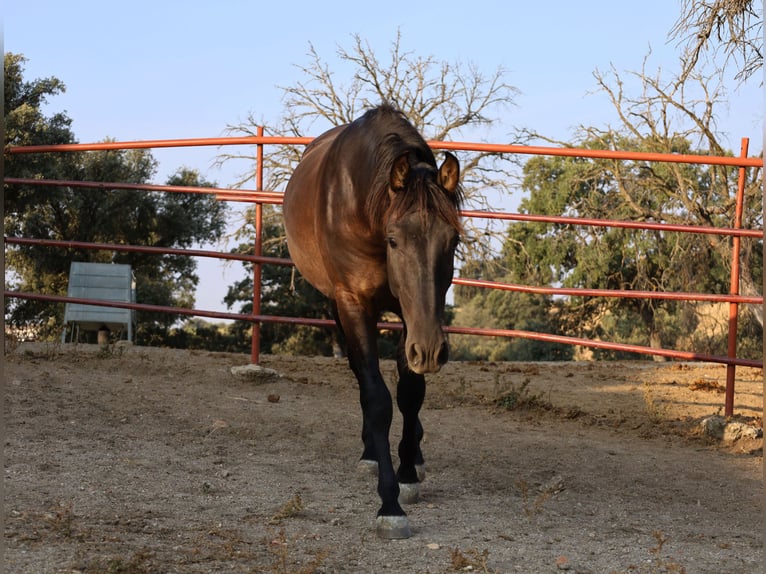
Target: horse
x,y
373,224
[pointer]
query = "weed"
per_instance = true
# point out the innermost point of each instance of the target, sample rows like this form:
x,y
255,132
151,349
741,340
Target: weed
x,y
470,561
533,506
139,563
462,388
221,544
111,350
664,565
282,563
11,343
460,395
291,508
655,408
520,398
658,564
53,347
705,385
61,519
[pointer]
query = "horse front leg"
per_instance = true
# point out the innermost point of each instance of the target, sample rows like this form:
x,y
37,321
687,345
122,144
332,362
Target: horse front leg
x,y
359,327
410,393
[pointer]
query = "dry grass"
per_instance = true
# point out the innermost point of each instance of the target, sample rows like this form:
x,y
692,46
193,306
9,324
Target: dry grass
x,y
283,563
291,508
470,560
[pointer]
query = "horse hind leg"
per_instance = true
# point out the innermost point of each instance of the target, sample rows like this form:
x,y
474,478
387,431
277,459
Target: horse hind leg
x,y
368,462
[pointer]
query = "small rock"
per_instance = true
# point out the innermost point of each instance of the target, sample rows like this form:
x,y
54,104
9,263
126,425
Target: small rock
x,y
433,546
713,426
553,486
716,427
253,371
217,425
737,431
273,398
562,563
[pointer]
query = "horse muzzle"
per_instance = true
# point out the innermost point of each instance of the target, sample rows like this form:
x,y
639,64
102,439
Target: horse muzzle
x,y
427,356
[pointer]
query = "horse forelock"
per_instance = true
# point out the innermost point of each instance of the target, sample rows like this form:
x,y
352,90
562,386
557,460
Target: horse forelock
x,y
423,195
392,136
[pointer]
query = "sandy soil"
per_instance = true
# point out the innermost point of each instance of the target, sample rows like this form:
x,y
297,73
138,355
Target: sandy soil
x,y
141,460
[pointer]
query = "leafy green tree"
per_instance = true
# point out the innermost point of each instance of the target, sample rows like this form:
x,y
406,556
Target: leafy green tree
x,y
614,258
196,333
675,114
110,215
25,124
498,309
666,115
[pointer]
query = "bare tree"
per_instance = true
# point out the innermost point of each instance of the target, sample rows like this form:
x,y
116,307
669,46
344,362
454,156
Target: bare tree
x,y
733,27
672,116
445,101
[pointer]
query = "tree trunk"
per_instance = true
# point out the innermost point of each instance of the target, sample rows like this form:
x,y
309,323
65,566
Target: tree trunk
x,y
656,343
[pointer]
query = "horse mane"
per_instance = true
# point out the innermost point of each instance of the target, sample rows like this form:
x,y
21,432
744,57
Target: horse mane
x,y
393,135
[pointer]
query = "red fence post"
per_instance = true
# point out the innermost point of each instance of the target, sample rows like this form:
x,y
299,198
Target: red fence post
x,y
731,369
255,346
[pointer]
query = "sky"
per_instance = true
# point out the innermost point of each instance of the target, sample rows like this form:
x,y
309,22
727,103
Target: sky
x,y
167,69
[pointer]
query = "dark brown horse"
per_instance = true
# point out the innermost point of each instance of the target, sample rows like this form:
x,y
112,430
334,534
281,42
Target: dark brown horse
x,y
373,224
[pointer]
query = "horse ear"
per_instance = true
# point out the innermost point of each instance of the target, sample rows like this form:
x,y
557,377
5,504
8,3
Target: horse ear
x,y
449,173
399,172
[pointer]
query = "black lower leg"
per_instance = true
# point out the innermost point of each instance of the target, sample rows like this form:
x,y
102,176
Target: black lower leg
x,y
378,414
410,393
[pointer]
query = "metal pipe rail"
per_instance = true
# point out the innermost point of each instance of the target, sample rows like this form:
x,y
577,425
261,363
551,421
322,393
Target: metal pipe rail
x,y
396,326
276,197
454,146
481,283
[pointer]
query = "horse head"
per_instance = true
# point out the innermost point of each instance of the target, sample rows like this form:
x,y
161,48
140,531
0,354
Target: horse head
x,y
422,232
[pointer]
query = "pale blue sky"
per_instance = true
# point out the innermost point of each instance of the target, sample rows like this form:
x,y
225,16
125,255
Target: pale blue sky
x,y
174,69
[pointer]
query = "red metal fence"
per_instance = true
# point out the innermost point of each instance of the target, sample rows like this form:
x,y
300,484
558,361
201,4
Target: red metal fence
x,y
259,197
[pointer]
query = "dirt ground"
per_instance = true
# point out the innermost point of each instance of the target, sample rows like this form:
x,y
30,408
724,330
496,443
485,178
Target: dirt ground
x,y
140,460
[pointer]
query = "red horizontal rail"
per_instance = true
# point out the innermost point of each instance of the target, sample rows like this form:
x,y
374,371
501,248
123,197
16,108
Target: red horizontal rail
x,y
149,144
455,146
601,154
684,355
481,283
621,293
275,198
251,195
550,338
147,249
658,226
126,305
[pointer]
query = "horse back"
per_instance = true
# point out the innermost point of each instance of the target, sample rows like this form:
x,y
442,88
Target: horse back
x,y
301,209
334,239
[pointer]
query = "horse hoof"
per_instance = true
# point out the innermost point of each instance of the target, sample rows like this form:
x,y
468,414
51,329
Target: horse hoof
x,y
393,527
420,470
409,492
369,467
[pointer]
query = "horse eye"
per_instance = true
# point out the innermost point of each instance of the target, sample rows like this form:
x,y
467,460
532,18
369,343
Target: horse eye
x,y
391,242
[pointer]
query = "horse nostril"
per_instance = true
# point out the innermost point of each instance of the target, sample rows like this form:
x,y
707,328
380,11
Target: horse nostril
x,y
415,355
443,354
